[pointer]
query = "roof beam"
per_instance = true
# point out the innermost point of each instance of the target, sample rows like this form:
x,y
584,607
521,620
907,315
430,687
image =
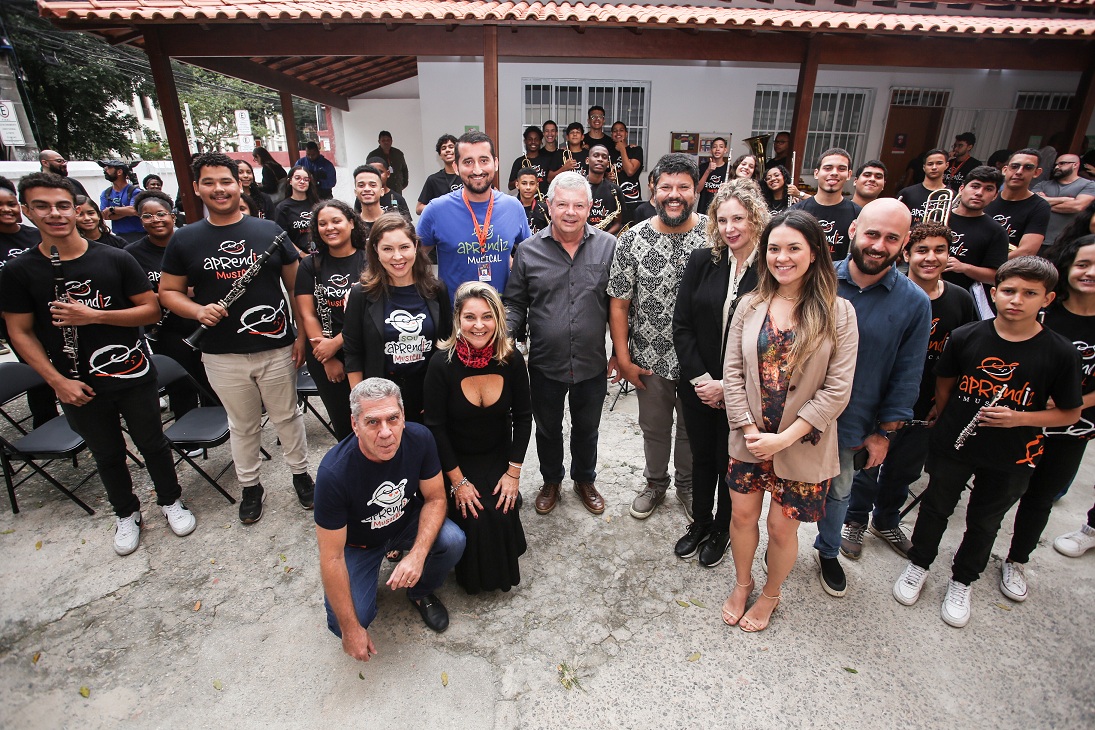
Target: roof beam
x,y
311,40
256,73
394,67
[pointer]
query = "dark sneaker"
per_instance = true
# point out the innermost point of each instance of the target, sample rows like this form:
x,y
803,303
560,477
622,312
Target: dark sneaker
x,y
689,544
714,549
251,504
832,576
895,538
433,612
306,489
851,540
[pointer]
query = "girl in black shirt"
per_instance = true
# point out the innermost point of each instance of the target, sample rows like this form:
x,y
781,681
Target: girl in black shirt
x,y
272,172
264,206
294,214
89,222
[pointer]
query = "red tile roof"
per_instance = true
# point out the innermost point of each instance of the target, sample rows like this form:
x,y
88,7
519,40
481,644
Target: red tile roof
x,y
602,14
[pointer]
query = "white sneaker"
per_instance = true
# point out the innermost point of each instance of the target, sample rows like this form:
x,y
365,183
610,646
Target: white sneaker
x,y
1075,544
179,518
907,588
195,453
127,533
1013,584
163,404
956,606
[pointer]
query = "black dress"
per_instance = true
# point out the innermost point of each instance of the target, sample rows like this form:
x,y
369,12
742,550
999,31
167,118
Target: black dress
x,y
482,441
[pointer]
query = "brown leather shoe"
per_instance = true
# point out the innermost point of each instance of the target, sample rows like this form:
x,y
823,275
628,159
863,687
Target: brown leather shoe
x,y
548,497
591,498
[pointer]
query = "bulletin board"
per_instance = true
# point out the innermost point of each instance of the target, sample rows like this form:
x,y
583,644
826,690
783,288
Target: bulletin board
x,y
698,144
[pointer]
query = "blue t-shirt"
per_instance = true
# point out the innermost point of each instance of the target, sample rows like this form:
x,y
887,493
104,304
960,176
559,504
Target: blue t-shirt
x,y
374,499
445,223
409,330
120,199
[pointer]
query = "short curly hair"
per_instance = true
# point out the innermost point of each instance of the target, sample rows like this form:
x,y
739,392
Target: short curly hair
x,y
746,192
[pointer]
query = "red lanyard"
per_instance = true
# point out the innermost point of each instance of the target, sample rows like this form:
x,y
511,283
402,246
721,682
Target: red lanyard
x,y
481,232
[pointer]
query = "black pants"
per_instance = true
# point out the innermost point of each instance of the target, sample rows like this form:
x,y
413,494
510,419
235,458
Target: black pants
x,y
99,424
410,387
335,396
1056,470
181,394
994,493
708,433
587,399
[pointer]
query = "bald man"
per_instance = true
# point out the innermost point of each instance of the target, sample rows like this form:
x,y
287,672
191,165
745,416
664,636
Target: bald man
x,y
53,162
894,317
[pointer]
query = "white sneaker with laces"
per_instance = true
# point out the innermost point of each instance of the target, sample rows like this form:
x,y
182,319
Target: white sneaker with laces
x,y
956,606
907,588
1075,544
127,533
1013,584
179,518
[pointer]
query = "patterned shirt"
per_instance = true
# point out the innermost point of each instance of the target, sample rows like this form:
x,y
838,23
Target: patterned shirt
x,y
647,270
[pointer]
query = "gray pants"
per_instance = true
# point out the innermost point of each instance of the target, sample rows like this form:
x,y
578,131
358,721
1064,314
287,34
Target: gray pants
x,y
656,406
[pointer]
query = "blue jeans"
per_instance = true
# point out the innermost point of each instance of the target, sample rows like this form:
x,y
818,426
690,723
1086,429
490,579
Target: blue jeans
x,y
886,488
363,565
587,398
836,506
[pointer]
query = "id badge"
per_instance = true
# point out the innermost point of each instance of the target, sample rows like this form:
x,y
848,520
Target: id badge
x,y
484,273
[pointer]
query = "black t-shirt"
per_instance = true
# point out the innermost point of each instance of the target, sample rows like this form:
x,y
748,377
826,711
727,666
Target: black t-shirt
x,y
644,211
537,217
374,499
914,198
540,163
955,176
438,184
1044,366
1080,331
581,164
393,202
976,241
715,178
109,357
950,310
1020,217
409,331
630,187
264,203
606,140
607,199
11,245
212,258
834,220
295,217
337,276
150,257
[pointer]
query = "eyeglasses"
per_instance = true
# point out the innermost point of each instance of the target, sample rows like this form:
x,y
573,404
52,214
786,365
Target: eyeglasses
x,y
1065,162
1016,167
596,116
43,208
160,216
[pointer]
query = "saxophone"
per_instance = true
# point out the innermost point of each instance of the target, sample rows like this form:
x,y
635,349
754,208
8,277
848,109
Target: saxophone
x,y
971,427
323,309
71,346
604,224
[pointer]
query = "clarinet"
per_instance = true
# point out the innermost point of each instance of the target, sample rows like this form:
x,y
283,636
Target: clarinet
x,y
238,288
322,308
971,427
71,346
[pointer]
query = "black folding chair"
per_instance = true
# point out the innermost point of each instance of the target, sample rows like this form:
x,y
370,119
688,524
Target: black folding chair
x,y
52,441
306,388
204,428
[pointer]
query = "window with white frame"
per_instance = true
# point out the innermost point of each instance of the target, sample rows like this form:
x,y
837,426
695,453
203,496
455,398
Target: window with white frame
x,y
839,117
568,100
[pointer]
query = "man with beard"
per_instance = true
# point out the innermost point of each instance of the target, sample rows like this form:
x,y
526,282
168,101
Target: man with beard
x,y
894,319
828,205
607,211
116,202
251,357
1067,194
646,273
961,162
915,196
868,182
87,347
53,162
444,180
532,158
475,229
1023,215
628,159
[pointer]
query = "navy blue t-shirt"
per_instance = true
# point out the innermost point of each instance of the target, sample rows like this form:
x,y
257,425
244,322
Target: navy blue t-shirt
x,y
409,330
374,499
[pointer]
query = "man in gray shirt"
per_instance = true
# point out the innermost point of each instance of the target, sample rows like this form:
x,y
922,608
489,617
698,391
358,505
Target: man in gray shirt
x,y
558,287
1067,194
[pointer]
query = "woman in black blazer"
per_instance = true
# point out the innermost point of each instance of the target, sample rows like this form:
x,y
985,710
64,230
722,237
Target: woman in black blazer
x,y
397,314
714,280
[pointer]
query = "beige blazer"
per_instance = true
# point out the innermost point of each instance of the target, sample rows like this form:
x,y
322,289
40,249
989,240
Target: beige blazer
x,y
818,391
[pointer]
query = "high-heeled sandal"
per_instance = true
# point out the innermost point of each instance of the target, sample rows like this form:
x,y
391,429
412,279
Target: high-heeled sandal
x,y
758,627
726,615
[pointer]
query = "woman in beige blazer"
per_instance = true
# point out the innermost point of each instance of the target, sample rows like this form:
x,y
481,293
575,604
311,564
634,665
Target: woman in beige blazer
x,y
790,359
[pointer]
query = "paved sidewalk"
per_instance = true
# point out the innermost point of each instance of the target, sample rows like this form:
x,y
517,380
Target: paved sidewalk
x,y
603,596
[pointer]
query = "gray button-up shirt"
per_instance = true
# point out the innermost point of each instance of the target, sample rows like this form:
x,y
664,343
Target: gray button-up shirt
x,y
564,303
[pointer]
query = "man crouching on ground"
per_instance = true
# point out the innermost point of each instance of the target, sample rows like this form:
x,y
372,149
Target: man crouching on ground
x,y
378,490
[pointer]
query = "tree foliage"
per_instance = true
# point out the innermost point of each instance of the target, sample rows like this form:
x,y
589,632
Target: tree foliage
x,y
74,86
213,100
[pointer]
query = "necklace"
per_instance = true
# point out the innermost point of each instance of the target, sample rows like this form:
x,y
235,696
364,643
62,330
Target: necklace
x,y
789,299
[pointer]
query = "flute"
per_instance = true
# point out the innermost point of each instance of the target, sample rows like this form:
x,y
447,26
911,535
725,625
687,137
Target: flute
x,y
71,346
238,288
971,427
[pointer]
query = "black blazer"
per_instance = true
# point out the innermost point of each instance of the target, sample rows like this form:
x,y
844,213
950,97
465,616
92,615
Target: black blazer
x,y
363,329
698,333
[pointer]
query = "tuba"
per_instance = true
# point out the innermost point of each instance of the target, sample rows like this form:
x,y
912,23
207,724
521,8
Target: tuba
x,y
937,208
758,146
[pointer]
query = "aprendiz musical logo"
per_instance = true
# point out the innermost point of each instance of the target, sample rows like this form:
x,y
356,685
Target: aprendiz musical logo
x,y
264,320
1083,427
336,289
958,248
391,498
999,374
119,361
235,261
494,251
411,346
1005,221
832,235
82,292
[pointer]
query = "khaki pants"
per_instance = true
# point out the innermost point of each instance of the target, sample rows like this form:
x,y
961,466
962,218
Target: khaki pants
x,y
657,404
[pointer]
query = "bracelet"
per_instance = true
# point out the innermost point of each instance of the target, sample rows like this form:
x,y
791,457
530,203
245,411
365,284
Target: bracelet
x,y
514,476
452,491
515,466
